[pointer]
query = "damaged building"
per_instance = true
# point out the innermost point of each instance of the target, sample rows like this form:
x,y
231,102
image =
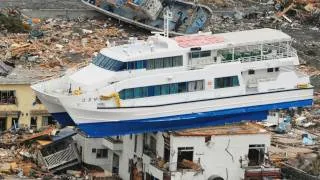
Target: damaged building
x,y
19,106
189,154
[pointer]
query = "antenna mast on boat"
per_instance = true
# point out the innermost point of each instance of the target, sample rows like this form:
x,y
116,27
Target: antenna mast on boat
x,y
167,18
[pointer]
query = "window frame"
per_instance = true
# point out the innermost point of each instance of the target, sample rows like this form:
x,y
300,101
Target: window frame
x,y
102,154
226,82
5,97
162,89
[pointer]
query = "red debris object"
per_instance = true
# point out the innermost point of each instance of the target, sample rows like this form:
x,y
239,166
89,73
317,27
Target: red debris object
x,y
198,40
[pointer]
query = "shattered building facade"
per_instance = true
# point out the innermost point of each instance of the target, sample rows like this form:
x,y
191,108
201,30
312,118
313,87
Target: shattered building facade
x,y
187,154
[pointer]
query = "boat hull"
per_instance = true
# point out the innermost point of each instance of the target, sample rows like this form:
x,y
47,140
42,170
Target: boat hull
x,y
57,111
118,121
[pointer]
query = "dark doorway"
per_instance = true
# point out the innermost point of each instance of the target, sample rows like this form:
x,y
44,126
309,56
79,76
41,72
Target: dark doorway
x,y
3,123
15,123
166,154
33,123
115,164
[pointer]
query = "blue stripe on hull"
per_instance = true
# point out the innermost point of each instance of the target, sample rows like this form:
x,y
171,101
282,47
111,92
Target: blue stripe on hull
x,y
193,120
63,118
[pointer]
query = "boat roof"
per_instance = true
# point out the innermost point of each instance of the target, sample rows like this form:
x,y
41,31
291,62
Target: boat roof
x,y
158,46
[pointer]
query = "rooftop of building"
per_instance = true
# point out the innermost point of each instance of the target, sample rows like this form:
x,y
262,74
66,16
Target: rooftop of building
x,y
22,75
232,129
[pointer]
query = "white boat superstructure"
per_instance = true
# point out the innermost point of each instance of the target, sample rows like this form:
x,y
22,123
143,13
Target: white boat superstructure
x,y
187,81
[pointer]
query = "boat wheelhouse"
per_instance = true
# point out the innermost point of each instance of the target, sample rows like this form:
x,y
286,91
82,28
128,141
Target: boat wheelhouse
x,y
182,82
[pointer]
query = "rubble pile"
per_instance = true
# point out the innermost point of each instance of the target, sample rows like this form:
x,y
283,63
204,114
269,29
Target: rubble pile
x,y
245,14
296,136
58,44
17,153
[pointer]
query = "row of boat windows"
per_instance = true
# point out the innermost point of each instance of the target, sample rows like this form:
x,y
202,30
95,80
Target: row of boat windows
x,y
225,82
163,89
115,65
175,88
200,54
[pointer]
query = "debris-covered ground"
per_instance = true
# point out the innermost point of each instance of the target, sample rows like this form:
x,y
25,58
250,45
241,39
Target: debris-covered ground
x,y
57,44
300,19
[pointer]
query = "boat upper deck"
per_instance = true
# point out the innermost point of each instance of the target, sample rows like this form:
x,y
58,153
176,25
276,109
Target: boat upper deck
x,y
159,46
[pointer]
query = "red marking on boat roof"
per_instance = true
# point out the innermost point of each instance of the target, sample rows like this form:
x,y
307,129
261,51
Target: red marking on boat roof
x,y
198,40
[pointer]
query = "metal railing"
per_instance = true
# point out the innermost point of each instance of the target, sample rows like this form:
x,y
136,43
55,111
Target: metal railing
x,y
280,52
114,140
274,52
60,157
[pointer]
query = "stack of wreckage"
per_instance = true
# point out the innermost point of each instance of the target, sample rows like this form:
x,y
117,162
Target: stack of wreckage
x,y
55,44
27,154
295,141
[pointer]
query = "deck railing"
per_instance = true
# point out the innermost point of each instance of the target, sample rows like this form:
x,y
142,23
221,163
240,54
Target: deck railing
x,y
275,52
269,52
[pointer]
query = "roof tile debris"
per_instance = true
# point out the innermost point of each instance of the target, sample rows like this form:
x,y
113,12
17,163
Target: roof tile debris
x,y
234,129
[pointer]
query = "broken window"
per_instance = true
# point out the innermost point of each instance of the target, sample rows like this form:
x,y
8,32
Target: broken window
x,y
102,153
184,153
153,144
37,101
256,154
47,120
8,97
207,139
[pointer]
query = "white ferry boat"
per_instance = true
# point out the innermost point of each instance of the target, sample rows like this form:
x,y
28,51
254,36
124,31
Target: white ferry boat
x,y
187,81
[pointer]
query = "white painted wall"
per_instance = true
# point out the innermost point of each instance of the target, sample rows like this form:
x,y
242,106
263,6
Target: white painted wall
x,y
213,157
128,153
88,157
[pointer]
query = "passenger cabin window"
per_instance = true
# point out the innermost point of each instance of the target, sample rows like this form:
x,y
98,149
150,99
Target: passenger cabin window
x,y
225,82
200,54
163,62
115,65
251,71
163,89
108,63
